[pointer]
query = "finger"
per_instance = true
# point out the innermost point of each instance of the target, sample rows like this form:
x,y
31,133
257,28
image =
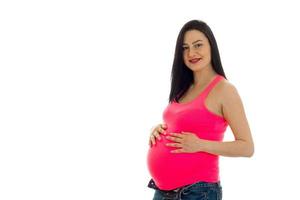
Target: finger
x,y
177,151
176,135
152,139
152,128
164,126
176,139
156,134
162,131
174,144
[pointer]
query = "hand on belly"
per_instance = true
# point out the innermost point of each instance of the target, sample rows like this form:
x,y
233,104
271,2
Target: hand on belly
x,y
184,142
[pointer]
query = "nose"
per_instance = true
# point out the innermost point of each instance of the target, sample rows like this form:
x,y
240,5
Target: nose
x,y
191,53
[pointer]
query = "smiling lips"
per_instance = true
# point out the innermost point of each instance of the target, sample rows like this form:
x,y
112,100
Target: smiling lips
x,y
195,60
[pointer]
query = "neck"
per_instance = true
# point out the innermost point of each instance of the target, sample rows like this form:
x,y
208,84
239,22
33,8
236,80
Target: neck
x,y
203,76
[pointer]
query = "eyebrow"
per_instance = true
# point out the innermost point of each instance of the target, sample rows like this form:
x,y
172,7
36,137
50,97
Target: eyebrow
x,y
192,42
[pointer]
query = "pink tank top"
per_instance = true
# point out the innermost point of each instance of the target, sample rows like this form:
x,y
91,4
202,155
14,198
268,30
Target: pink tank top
x,y
173,170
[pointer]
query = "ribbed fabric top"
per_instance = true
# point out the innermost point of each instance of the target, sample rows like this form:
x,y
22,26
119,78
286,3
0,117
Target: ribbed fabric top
x,y
172,170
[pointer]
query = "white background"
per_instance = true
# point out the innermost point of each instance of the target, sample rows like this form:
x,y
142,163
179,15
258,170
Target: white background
x,y
83,82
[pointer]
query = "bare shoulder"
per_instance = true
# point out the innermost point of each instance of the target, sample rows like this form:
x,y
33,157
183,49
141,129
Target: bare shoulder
x,y
231,103
228,92
224,99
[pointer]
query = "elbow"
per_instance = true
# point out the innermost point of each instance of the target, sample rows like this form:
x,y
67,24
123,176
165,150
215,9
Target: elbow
x,y
250,151
249,154
247,149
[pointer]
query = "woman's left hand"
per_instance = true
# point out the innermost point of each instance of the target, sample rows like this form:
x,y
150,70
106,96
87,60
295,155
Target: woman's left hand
x,y
187,142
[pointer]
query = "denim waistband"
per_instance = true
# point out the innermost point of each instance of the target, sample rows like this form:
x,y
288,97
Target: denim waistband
x,y
152,184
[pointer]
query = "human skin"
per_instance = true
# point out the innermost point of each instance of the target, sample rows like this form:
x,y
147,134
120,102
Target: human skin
x,y
224,100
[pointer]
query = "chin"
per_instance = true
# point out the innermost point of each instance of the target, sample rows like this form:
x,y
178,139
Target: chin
x,y
195,67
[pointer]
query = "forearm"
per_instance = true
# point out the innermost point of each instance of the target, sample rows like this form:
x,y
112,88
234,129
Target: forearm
x,y
237,148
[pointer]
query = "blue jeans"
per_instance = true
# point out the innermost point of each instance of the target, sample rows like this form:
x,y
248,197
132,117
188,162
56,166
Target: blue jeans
x,y
197,191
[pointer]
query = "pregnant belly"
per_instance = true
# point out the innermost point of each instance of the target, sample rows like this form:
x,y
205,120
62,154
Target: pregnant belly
x,y
167,168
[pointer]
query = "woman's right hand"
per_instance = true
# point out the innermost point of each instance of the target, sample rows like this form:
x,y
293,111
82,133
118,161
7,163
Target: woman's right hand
x,y
155,131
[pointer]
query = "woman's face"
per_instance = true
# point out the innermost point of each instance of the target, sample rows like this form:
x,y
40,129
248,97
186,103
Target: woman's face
x,y
196,50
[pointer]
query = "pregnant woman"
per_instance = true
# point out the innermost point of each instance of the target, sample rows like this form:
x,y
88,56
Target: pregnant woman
x,y
183,156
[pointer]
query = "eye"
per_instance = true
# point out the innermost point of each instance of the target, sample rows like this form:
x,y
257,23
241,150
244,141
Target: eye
x,y
198,45
184,48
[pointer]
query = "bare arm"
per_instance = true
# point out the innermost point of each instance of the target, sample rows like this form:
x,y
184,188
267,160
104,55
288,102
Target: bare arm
x,y
234,113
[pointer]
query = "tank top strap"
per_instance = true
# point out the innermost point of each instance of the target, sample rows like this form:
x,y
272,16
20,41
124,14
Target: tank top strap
x,y
211,85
